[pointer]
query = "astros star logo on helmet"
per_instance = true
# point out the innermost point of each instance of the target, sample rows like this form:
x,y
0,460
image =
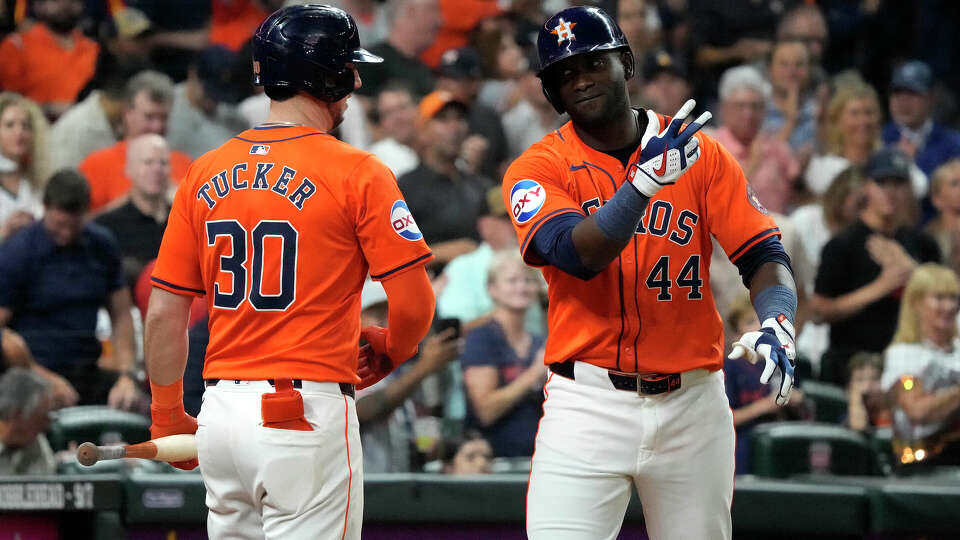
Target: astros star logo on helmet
x,y
564,31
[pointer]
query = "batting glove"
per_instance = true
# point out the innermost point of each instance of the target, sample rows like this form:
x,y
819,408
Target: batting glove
x,y
173,421
667,155
373,364
774,342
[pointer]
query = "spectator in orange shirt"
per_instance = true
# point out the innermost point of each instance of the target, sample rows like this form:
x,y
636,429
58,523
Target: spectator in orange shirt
x,y
147,102
49,61
233,22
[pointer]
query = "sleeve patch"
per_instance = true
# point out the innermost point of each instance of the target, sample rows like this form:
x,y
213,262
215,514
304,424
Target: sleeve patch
x,y
402,222
526,199
755,200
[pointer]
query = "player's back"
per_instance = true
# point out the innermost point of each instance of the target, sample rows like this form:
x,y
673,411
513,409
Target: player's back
x,y
277,214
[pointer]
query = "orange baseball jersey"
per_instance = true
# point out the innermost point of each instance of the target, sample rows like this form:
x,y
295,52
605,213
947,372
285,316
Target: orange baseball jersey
x,y
279,227
37,65
104,171
651,309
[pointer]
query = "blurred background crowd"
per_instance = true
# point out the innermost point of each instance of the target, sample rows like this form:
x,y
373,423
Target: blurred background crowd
x,y
842,113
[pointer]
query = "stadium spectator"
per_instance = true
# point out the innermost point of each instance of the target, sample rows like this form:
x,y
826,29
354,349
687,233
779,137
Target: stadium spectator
x,y
14,353
232,22
458,19
148,98
752,403
504,63
413,27
394,119
54,276
49,61
818,222
94,122
371,18
138,225
446,199
204,111
464,294
863,268
386,410
666,86
503,363
922,371
22,160
911,127
25,404
722,35
867,406
640,24
805,23
469,454
851,136
793,109
460,73
767,161
945,196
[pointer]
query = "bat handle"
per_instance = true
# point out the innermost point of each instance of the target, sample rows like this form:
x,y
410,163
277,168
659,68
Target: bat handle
x,y
111,452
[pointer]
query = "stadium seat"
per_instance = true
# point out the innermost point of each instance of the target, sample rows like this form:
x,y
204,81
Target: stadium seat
x,y
97,424
782,449
830,401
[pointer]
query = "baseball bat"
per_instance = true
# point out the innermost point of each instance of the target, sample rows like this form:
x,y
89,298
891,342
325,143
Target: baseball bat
x,y
171,448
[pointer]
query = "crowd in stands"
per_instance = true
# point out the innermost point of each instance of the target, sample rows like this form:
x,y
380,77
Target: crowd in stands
x,y
842,114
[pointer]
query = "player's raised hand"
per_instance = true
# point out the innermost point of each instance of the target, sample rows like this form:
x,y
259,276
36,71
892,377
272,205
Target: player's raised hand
x,y
665,156
774,342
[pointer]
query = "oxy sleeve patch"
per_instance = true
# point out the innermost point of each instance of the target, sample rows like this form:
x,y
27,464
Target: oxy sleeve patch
x,y
526,199
402,222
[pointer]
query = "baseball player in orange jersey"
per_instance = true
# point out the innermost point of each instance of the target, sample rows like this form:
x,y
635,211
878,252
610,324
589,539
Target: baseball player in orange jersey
x,y
278,228
618,207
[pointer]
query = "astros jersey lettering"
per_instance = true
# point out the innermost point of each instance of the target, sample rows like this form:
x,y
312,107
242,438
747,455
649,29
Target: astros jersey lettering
x,y
281,253
651,309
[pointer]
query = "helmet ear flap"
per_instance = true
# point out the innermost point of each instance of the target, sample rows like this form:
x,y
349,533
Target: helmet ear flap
x,y
629,67
550,98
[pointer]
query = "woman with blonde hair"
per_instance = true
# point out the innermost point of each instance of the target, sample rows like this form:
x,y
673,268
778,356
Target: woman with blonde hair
x,y
850,135
945,196
503,370
922,370
23,162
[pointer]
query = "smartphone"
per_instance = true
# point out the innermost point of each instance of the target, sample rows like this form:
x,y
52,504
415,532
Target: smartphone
x,y
444,323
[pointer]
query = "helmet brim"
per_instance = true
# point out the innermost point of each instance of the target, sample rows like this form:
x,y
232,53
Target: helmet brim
x,y
364,56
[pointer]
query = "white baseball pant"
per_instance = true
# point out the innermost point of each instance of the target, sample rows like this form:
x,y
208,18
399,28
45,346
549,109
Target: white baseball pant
x,y
266,483
677,448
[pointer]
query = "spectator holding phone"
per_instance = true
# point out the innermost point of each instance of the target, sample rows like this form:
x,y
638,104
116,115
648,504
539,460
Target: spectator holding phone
x,y
386,410
503,362
867,403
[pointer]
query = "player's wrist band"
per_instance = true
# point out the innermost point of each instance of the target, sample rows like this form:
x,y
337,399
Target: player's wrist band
x,y
167,395
776,300
618,218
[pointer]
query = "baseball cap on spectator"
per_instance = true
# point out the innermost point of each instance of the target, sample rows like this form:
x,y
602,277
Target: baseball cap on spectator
x,y
462,63
912,76
435,102
372,294
888,165
659,61
225,74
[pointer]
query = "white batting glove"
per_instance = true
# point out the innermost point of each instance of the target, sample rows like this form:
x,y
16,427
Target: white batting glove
x,y
774,342
665,156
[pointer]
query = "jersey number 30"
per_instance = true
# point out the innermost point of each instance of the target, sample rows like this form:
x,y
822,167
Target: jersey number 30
x,y
234,264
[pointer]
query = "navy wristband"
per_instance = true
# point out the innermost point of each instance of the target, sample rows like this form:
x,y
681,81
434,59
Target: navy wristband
x,y
775,300
618,218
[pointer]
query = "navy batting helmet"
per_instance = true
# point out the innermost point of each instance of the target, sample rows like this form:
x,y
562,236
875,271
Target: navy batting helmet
x,y
573,31
308,47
